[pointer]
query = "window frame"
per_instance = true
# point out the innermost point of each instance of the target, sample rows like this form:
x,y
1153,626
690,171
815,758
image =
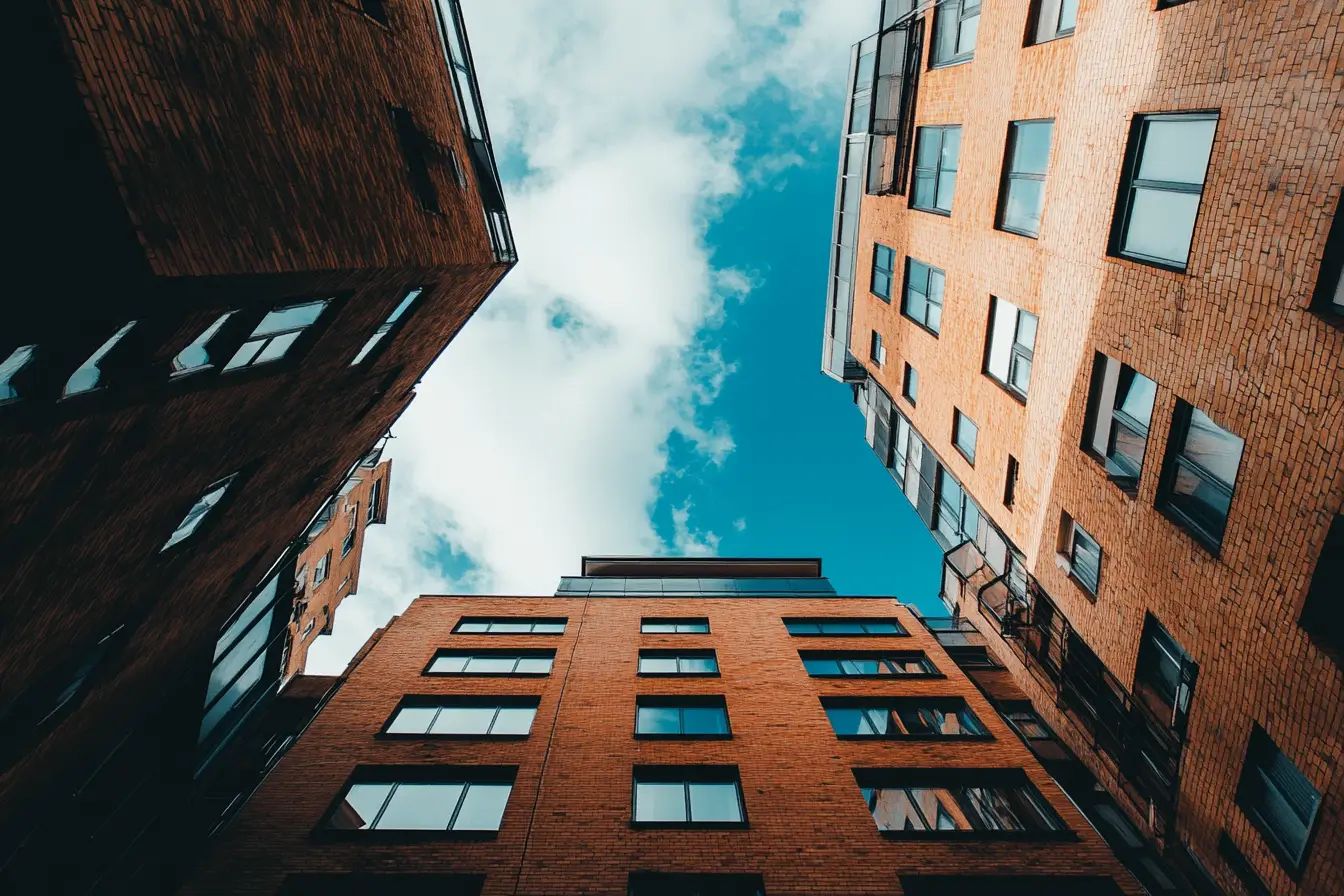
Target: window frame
x,y
1118,476
1034,36
1018,352
818,621
412,298
1260,741
470,653
228,487
492,621
892,706
877,352
682,702
957,781
1174,459
938,170
417,774
678,655
1331,271
1010,483
882,656
674,621
440,702
322,569
910,385
687,775
905,296
1092,588
940,22
1007,174
957,418
304,336
889,272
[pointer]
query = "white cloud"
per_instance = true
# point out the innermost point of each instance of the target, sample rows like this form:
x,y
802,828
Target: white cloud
x,y
531,444
740,524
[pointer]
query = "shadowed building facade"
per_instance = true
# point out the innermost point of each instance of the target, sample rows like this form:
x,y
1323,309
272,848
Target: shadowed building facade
x,y
1086,289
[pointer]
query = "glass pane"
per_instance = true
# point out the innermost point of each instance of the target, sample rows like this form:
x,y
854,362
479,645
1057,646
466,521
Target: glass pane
x,y
456,663
1086,559
917,720
660,802
1026,329
1212,447
1022,208
1001,339
966,40
238,656
693,628
849,721
881,628
510,628
936,278
230,698
473,627
1068,15
951,150
548,628
658,720
534,664
704,720
17,360
858,118
463,720
1136,396
1126,455
483,808
1177,150
1031,147
842,628
258,605
821,666
360,807
926,155
894,810
420,807
514,720
659,628
924,190
412,720
715,802
478,664
658,664
863,73
245,354
947,183
1206,504
861,667
293,317
698,664
1161,224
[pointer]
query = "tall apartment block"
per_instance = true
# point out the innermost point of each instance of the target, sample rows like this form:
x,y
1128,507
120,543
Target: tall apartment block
x,y
658,727
245,230
1086,289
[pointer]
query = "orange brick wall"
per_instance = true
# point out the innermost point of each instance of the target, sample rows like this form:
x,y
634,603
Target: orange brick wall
x,y
1232,335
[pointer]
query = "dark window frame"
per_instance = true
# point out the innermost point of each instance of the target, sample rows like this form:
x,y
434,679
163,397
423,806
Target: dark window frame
x,y
683,702
1261,742
958,416
1120,477
687,775
443,652
678,655
415,774
937,171
910,385
492,621
1171,464
1034,37
894,656
900,632
674,620
1012,779
893,705
1330,275
905,296
1018,353
889,272
1007,175
1010,483
446,701
941,10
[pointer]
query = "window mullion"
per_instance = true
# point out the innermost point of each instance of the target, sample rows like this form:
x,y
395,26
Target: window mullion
x,y
1204,474
457,809
387,801
686,790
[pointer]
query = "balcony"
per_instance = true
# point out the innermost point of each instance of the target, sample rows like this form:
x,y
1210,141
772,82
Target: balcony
x,y
896,83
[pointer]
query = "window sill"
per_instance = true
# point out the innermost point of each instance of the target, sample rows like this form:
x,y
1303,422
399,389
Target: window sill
x,y
689,825
1026,234
648,736
1013,393
1058,35
932,211
1044,836
932,332
1149,262
678,674
1211,546
909,676
1100,461
951,63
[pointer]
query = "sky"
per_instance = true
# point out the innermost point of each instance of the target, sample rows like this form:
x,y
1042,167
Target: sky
x,y
647,379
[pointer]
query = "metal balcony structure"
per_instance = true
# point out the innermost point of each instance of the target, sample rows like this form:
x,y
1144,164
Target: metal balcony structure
x,y
900,49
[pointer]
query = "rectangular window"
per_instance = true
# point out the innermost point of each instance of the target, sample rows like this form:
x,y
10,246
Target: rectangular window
x,y
1052,19
463,716
680,796
308,629
964,433
197,356
387,326
416,148
690,626
491,662
941,802
1119,414
1022,192
865,664
1027,723
884,268
1329,296
321,569
971,656
212,496
375,499
877,352
678,662
1323,612
902,717
348,544
1199,475
923,301
510,625
1160,191
833,626
935,177
403,799
276,334
1009,346
681,717
1082,552
1164,676
955,25
1278,799
1010,483
910,384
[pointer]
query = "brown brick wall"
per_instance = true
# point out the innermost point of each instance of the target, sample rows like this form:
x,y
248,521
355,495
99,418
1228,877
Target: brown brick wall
x,y
567,825
1232,335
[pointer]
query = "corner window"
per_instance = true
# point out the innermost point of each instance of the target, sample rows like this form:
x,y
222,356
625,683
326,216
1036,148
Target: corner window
x,y
1082,553
865,664
491,662
1053,19
681,717
196,356
923,302
1161,187
944,802
212,495
1278,799
964,433
1022,192
673,662
387,326
276,334
1119,414
10,369
884,267
1199,475
1010,346
1164,676
403,800
902,717
464,716
689,626
955,25
935,177
510,625
708,796
910,384
841,627
877,352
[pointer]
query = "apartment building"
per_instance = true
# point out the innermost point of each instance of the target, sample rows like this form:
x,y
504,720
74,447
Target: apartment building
x,y
660,726
1086,289
268,219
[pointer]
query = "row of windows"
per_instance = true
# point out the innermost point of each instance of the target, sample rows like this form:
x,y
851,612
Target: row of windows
x,y
818,663
518,625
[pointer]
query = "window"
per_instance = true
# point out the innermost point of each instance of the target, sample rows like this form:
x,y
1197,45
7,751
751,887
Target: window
x,y
954,29
884,268
464,716
1164,676
650,883
416,147
865,664
910,384
708,796
1199,475
920,717
1323,612
196,356
1022,192
1008,352
348,544
374,9
276,334
491,662
1278,799
1241,866
322,569
516,625
403,800
1119,413
971,656
308,629
940,802
1082,553
375,499
1010,483
388,325
834,626
877,352
1161,188
1028,723
673,662
1054,18
681,717
12,366
923,295
936,151
212,496
87,376
651,626
963,435
1329,297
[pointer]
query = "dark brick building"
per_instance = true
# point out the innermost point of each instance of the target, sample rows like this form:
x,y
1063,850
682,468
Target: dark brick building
x,y
1087,291
244,231
661,726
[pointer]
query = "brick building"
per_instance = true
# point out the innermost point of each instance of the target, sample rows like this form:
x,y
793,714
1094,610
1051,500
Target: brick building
x,y
660,726
328,564
247,229
1086,288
